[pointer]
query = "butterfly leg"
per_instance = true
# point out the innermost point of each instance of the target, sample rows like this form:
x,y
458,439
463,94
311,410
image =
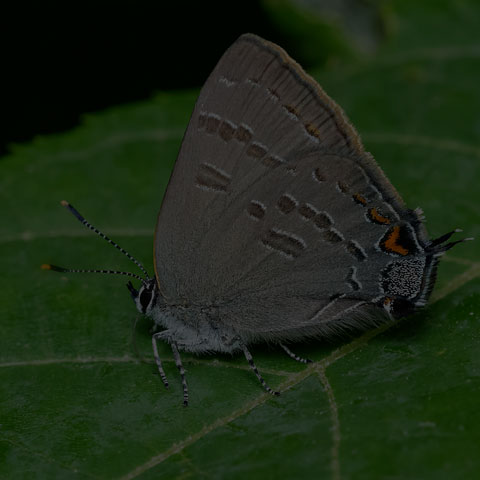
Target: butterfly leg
x,y
155,337
295,357
178,363
249,358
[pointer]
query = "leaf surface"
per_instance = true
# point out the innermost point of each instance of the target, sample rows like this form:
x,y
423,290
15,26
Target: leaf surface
x,y
402,402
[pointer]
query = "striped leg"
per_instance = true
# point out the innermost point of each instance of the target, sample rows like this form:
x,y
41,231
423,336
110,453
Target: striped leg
x,y
249,358
295,357
178,363
155,337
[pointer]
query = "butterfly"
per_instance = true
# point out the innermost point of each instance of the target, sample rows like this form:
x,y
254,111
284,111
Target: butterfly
x,y
277,225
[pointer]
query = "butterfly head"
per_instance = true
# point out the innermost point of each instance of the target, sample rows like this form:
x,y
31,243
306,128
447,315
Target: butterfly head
x,y
145,298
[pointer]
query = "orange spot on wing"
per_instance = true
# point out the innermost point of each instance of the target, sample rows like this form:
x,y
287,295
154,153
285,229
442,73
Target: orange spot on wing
x,y
360,199
312,130
377,217
292,110
391,244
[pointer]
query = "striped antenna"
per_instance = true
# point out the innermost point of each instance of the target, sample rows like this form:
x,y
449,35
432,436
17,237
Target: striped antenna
x,y
55,268
111,242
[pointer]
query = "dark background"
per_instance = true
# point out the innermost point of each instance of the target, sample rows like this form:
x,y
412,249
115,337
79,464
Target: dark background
x,y
62,59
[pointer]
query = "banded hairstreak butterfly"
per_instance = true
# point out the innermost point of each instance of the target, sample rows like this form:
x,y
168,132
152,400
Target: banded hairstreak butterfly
x,y
276,225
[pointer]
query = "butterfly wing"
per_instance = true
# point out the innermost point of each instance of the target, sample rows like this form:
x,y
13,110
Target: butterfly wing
x,y
274,213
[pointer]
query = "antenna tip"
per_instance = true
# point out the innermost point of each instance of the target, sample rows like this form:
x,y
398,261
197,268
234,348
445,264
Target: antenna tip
x,y
64,203
48,266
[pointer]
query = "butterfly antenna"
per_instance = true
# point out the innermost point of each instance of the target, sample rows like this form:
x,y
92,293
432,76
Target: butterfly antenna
x,y
55,268
81,219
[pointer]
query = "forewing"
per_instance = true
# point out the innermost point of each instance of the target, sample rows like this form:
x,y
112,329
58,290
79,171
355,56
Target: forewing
x,y
273,201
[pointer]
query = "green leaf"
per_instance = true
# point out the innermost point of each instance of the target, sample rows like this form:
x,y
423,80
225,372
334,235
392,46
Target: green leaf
x,y
329,32
77,402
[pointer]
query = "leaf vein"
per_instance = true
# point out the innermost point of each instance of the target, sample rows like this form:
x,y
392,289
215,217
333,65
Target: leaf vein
x,y
336,434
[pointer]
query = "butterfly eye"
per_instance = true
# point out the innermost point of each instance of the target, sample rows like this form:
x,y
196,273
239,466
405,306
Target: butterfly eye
x,y
145,298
